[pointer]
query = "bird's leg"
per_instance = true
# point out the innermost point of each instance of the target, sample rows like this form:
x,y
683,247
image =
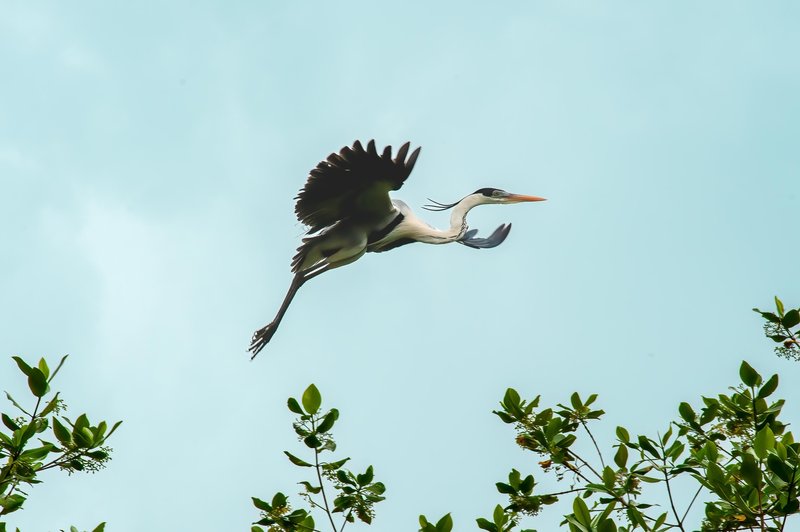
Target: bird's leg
x,y
262,336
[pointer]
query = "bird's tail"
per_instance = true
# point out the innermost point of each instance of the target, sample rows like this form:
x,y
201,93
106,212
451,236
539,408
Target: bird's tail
x,y
262,336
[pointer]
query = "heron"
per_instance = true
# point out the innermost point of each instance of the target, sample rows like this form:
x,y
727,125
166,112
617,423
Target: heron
x,y
346,206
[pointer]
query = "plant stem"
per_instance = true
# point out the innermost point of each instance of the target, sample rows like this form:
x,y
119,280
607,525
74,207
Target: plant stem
x,y
696,494
755,431
321,484
669,490
587,464
346,519
597,448
789,494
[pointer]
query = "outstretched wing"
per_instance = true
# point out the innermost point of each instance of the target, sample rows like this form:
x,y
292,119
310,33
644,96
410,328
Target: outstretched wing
x,y
491,241
353,184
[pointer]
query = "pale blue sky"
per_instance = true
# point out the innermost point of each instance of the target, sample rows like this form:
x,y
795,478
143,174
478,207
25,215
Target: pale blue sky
x,y
149,154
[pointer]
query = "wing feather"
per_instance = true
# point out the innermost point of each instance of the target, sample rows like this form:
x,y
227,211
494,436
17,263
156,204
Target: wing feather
x,y
492,241
353,184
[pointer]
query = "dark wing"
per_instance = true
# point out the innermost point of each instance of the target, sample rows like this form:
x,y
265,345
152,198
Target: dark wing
x,y
353,184
491,241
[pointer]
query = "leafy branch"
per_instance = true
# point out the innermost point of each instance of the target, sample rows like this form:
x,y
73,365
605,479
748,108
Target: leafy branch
x,y
80,445
355,494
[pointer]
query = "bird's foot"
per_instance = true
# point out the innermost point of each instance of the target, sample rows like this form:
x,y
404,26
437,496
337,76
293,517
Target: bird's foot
x,y
261,338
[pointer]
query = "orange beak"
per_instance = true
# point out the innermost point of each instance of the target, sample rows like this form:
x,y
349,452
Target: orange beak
x,y
519,198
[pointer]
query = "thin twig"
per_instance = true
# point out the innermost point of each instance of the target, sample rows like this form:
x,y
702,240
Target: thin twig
x,y
587,464
696,494
346,519
669,490
789,494
322,490
755,431
597,448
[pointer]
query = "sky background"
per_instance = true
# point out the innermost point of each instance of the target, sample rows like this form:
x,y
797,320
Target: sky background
x,y
149,156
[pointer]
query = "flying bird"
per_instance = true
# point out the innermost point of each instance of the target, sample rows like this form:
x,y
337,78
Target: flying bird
x,y
346,205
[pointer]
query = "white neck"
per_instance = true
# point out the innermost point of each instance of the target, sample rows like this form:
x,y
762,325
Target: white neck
x,y
458,222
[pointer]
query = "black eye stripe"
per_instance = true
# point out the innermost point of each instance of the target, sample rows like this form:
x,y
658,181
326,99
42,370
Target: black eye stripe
x,y
487,191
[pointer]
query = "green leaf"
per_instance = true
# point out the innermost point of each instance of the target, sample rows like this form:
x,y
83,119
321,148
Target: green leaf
x,y
60,363
607,525
526,486
710,448
687,412
636,516
50,406
779,305
770,386
37,382
333,466
345,478
779,467
37,454
310,488
261,505
575,400
366,477
24,434
750,471
100,528
81,422
764,442
110,432
23,366
505,489
11,503
622,435
312,441
61,432
83,437
621,457
645,444
328,421
484,524
294,406
312,399
511,401
581,512
296,461
445,524
499,516
791,319
13,402
43,367
749,376
10,423
609,477
279,500
769,316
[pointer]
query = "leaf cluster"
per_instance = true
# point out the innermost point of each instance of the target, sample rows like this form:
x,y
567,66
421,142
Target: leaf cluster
x,y
779,325
354,494
736,450
36,439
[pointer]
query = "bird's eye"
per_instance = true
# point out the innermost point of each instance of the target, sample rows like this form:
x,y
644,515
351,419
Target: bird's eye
x,y
497,193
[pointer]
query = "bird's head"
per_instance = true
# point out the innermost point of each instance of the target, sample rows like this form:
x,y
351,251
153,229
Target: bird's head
x,y
496,195
484,196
